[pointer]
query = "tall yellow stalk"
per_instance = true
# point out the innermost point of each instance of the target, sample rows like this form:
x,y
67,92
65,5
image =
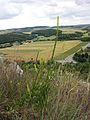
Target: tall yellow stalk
x,y
56,38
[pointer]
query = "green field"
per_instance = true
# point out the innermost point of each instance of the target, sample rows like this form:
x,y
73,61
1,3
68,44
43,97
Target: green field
x,y
71,51
45,48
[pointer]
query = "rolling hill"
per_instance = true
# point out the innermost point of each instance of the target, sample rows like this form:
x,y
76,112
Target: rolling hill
x,y
30,29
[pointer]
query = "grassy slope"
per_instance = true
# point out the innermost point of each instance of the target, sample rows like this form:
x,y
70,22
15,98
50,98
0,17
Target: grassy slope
x,y
71,51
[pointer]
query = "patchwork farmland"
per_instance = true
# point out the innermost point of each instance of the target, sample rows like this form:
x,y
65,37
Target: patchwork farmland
x,y
28,51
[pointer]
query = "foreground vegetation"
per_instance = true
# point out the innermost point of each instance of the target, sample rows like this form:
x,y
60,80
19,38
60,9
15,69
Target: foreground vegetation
x,y
46,91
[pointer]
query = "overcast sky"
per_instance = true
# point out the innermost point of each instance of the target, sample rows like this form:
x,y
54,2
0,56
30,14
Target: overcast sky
x,y
27,13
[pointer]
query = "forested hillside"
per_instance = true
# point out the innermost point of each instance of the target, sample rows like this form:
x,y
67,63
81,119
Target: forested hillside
x,y
46,32
13,37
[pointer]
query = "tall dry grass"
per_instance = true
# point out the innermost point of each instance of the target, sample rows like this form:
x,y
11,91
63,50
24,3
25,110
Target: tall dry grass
x,y
44,92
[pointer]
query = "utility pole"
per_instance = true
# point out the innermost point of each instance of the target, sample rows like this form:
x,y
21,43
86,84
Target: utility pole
x,y
56,38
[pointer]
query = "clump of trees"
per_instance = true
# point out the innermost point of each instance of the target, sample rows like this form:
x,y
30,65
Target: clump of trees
x,y
71,36
89,32
81,57
46,32
85,39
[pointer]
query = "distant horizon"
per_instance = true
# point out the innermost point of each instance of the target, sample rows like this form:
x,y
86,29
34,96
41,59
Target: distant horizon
x,y
43,26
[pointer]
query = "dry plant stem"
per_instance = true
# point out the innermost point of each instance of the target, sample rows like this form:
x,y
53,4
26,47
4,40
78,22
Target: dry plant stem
x,y
56,38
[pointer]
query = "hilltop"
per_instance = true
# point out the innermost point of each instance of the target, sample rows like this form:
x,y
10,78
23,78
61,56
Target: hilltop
x,y
30,29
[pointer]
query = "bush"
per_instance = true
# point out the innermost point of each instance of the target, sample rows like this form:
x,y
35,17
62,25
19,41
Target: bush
x,y
81,57
85,39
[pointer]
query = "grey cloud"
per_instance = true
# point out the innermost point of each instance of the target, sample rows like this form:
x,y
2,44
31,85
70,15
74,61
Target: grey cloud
x,y
6,15
29,1
52,15
75,13
22,1
8,10
80,2
70,12
53,4
13,8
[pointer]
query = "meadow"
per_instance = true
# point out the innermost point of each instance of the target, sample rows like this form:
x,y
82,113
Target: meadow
x,y
44,50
